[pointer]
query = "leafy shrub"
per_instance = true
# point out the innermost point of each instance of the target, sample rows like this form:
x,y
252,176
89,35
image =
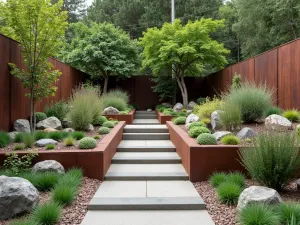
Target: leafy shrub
x,y
236,81
237,178
87,143
39,116
230,140
292,115
165,87
231,116
50,146
289,213
59,110
217,178
180,120
77,135
201,100
55,135
229,193
196,124
28,140
271,159
18,138
48,213
19,147
97,137
38,135
252,99
115,100
108,124
104,130
258,214
69,141
206,109
205,121
196,131
46,181
102,119
64,194
168,111
4,139
15,164
206,139
272,110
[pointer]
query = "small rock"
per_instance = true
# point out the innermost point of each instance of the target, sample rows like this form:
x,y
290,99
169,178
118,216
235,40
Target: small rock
x,y
44,142
192,118
258,194
149,110
69,130
50,122
22,125
191,105
178,107
65,123
17,196
215,120
91,128
50,130
167,104
110,110
189,112
219,134
48,165
245,133
12,135
278,123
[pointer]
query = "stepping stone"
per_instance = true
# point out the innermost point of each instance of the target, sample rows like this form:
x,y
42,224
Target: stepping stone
x,y
146,129
145,121
146,136
146,157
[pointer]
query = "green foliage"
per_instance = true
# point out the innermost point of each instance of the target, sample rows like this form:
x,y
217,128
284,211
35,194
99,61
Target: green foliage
x,y
180,120
4,139
118,93
69,141
237,178
206,139
97,137
18,138
258,214
108,124
23,222
289,213
165,87
271,159
104,130
101,120
230,140
217,178
196,131
205,121
292,115
87,143
18,147
252,99
28,140
77,135
206,109
58,109
55,135
123,112
47,214
38,135
229,193
15,164
50,146
231,116
272,110
72,178
64,194
39,116
236,81
45,181
196,124
117,99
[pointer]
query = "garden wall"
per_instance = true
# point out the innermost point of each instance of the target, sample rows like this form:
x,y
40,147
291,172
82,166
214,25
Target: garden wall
x,y
13,103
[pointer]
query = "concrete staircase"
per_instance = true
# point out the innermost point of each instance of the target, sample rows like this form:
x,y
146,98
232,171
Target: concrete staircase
x,y
146,183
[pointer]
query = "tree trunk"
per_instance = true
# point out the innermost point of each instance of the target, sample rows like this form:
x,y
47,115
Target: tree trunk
x,y
105,84
182,86
31,111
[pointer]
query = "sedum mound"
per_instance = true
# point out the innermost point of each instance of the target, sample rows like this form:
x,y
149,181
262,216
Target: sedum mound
x,y
103,130
87,143
196,131
206,139
180,120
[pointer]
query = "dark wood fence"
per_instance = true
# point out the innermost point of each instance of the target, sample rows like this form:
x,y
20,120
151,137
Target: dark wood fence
x,y
13,103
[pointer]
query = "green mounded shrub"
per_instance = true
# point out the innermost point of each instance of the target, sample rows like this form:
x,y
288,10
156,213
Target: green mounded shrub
x,y
208,107
39,116
64,134
38,135
252,99
23,222
77,135
168,111
115,122
97,137
58,109
47,214
108,124
55,135
196,124
28,140
18,138
272,110
229,193
230,140
231,116
18,147
206,139
289,213
69,141
180,120
87,143
271,159
196,131
50,146
104,130
237,178
205,121
102,119
123,112
201,100
217,178
64,194
4,139
181,114
292,115
46,181
258,214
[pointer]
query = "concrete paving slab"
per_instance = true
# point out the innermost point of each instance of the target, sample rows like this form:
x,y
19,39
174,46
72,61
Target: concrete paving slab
x,y
146,176
146,168
146,157
146,143
146,136
132,143
161,143
145,121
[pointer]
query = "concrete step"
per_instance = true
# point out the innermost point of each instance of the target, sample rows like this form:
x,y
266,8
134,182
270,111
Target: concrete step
x,y
146,129
146,158
146,146
146,136
145,122
145,112
145,116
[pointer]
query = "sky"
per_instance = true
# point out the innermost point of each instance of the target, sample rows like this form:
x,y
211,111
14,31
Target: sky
x,y
89,2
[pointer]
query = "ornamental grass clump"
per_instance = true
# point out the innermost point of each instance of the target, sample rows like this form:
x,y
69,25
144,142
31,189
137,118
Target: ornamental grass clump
x,y
272,159
50,146
229,193
64,194
4,139
58,109
28,140
38,135
196,131
292,115
69,141
18,147
77,135
208,107
55,135
237,178
117,99
47,214
289,213
101,120
217,178
18,138
46,181
272,111
87,143
231,116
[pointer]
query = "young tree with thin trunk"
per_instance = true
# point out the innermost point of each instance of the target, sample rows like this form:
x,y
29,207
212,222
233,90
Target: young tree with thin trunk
x,y
39,26
187,50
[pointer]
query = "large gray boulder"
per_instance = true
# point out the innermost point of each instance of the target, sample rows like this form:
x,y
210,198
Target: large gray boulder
x,y
191,105
17,196
44,142
50,122
22,125
215,120
258,194
48,165
245,133
110,111
192,118
220,134
178,107
278,123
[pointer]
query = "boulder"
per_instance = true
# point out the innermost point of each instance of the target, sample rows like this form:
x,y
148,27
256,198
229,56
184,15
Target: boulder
x,y
192,118
189,112
215,120
50,122
149,110
110,110
47,130
278,123
191,105
12,135
178,107
245,133
17,196
44,142
48,165
167,104
219,134
91,128
22,125
69,130
258,194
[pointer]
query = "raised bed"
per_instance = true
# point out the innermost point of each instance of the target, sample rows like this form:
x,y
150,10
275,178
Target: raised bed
x,y
127,118
94,162
163,118
200,161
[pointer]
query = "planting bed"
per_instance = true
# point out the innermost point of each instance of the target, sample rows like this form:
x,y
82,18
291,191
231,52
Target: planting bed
x,y
127,118
163,118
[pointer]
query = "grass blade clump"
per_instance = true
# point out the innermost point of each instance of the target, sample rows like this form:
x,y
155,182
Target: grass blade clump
x,y
4,139
64,194
229,193
47,214
217,178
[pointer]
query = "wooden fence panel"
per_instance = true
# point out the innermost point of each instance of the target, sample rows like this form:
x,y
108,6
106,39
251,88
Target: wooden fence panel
x,y
245,68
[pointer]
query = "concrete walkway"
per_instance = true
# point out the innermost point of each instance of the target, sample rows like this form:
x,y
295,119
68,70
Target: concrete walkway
x,y
146,183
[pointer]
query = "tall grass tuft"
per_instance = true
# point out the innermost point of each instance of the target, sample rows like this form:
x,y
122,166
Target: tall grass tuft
x,y
289,213
229,193
231,116
47,214
4,139
64,194
117,99
28,140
